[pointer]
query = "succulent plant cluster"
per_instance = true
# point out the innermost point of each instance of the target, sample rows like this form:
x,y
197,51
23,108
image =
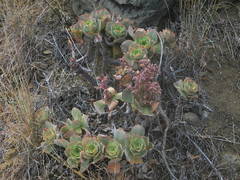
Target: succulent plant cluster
x,y
82,149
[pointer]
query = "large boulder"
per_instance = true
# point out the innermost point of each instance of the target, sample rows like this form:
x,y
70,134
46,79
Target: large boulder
x,y
143,12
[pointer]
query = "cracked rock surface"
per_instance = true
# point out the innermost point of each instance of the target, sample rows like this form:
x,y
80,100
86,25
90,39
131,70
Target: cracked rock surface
x,y
143,12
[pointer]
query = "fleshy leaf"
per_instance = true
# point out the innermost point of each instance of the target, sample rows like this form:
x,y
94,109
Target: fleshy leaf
x,y
76,114
133,159
75,138
153,34
125,45
144,109
100,106
120,135
84,165
138,130
118,96
127,96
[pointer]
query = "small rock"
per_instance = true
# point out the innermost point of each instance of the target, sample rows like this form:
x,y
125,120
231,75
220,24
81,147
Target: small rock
x,y
191,118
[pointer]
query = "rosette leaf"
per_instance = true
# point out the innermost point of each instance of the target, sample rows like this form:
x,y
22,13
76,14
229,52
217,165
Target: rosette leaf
x,y
121,136
116,30
136,148
76,32
102,14
89,25
73,152
93,151
77,125
146,39
135,52
187,88
125,46
113,150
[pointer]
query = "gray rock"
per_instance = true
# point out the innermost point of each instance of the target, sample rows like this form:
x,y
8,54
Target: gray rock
x,y
191,119
143,12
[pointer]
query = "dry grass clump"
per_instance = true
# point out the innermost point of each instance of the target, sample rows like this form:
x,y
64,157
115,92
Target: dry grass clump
x,y
207,33
18,123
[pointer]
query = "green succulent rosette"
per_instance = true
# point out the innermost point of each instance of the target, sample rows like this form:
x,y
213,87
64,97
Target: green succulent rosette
x,y
187,88
136,148
73,151
137,145
116,30
89,25
93,151
114,150
146,39
134,52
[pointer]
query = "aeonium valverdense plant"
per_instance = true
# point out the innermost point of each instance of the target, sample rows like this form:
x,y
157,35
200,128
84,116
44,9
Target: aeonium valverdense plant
x,y
75,126
133,52
72,150
90,24
135,143
93,151
187,88
116,30
144,93
146,38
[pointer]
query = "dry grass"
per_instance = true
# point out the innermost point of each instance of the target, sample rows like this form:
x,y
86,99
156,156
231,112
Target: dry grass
x,y
207,33
16,100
